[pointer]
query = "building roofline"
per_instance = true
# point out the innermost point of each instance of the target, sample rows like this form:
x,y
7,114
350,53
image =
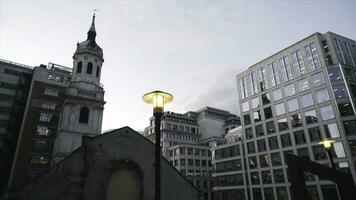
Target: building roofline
x,y
312,35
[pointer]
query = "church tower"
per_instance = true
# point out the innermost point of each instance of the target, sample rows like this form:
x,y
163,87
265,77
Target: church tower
x,y
82,109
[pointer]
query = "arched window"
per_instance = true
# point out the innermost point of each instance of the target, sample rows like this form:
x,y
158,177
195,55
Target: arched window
x,y
79,67
84,115
97,71
90,68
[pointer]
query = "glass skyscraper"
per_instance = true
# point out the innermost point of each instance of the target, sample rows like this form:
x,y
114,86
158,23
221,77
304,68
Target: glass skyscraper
x,y
289,102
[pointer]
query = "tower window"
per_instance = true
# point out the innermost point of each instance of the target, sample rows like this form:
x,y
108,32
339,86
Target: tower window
x,y
79,67
97,71
84,115
90,68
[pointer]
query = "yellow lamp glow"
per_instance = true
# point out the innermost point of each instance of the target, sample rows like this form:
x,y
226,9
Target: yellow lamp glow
x,y
327,143
158,99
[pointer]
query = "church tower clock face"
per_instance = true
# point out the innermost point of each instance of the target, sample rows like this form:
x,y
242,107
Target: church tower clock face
x,y
83,106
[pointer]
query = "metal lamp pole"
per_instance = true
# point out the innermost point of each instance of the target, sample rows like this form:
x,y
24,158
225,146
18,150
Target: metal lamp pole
x,y
158,99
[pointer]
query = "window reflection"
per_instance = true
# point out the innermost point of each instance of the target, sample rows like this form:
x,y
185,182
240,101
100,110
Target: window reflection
x,y
280,109
277,94
303,85
317,80
335,74
289,90
340,91
307,100
311,117
327,112
282,124
345,109
245,106
293,105
266,99
254,102
268,112
322,96
296,120
332,130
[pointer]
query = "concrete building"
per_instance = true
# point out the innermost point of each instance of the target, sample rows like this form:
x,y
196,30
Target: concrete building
x,y
288,103
40,122
15,82
186,142
115,165
83,104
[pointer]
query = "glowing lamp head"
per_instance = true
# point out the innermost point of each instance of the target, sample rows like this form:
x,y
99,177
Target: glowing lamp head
x,y
158,99
327,143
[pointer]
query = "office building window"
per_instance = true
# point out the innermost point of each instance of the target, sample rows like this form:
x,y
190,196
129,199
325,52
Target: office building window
x,y
327,112
45,117
248,132
264,160
252,162
285,69
280,109
190,151
269,195
270,127
296,120
277,94
293,105
317,79
303,85
335,74
259,130
350,127
43,131
247,119
345,109
257,116
197,162
49,106
340,91
245,106
268,112
266,99
255,179
332,130
190,162
51,92
299,137
276,159
39,159
55,77
257,194
254,83
311,117
251,147
307,100
263,78
266,177
261,144
319,152
278,176
289,90
254,103
286,141
314,134
283,124
303,152
322,96
273,143
282,193
274,76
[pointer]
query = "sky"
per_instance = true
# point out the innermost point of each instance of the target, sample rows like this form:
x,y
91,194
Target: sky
x,y
192,49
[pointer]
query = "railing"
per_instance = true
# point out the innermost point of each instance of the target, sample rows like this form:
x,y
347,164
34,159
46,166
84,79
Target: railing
x,y
53,66
15,63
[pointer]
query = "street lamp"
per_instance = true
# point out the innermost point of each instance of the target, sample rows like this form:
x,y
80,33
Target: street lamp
x,y
158,99
328,143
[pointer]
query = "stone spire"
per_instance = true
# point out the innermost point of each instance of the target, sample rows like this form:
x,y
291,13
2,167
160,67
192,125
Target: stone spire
x,y
92,32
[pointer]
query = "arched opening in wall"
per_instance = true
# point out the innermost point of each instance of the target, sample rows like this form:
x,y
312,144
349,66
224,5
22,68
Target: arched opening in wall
x,y
97,71
125,183
79,67
90,68
84,115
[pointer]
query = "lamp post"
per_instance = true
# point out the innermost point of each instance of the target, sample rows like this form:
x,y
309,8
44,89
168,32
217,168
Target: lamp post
x,y
158,99
328,143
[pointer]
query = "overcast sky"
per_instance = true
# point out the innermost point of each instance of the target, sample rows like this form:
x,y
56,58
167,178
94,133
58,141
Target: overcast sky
x,y
190,48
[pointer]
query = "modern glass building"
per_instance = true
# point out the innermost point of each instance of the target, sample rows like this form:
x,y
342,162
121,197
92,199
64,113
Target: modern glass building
x,y
289,102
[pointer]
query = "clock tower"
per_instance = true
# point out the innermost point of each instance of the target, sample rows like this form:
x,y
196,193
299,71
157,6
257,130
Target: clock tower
x,y
82,109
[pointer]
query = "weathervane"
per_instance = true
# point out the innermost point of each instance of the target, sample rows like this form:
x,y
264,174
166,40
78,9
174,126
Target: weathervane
x,y
95,10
